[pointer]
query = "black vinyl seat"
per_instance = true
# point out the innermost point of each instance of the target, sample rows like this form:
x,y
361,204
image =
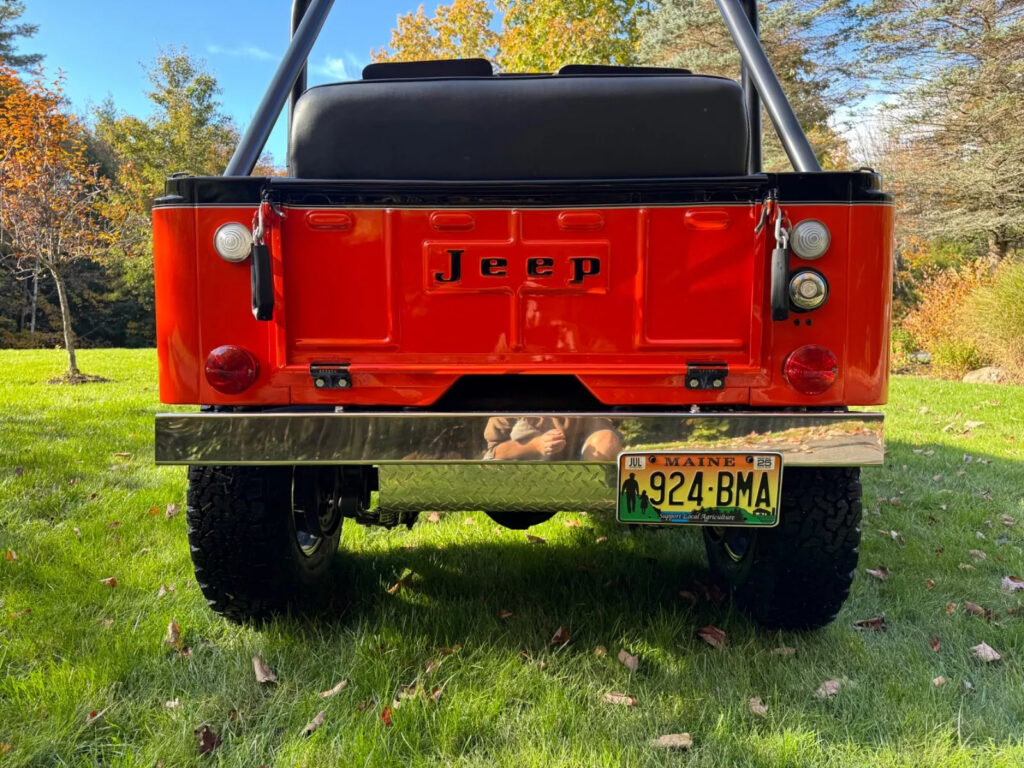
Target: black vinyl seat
x,y
583,123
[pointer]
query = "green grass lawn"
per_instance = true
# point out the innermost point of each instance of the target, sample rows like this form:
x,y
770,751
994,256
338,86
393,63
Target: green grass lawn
x,y
78,492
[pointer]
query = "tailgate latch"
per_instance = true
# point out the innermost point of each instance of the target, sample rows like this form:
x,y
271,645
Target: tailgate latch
x,y
330,375
706,375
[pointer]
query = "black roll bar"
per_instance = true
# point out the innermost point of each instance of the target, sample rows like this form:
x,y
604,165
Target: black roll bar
x,y
751,97
760,84
760,71
292,65
299,8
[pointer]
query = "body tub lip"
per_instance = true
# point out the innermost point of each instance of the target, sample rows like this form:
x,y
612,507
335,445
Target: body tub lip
x,y
804,438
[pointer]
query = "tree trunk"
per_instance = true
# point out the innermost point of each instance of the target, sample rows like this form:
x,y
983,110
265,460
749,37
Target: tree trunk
x,y
35,300
65,314
996,246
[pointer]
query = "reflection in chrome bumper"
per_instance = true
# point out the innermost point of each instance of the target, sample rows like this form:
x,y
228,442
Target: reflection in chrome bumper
x,y
815,439
438,460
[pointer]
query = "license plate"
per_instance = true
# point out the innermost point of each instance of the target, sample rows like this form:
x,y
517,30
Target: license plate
x,y
727,489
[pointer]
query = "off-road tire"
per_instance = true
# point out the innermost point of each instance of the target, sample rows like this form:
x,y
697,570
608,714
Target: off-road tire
x,y
245,549
519,521
797,575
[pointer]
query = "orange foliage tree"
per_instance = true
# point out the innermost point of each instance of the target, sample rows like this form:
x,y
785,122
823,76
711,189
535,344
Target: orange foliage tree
x,y
533,35
51,197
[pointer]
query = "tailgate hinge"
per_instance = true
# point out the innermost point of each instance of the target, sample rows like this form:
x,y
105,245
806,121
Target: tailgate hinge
x,y
706,375
330,375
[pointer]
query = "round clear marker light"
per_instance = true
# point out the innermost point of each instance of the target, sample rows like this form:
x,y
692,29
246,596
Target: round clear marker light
x,y
233,241
809,239
808,290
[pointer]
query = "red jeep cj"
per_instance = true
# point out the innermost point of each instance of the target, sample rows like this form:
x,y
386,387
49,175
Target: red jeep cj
x,y
525,293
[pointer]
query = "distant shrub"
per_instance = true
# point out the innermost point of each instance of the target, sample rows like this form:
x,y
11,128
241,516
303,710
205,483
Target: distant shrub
x,y
939,322
902,346
994,318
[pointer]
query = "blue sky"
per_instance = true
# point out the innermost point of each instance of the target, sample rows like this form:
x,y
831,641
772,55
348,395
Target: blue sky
x,y
102,45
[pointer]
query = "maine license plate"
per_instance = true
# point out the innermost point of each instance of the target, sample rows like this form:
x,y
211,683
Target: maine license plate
x,y
700,488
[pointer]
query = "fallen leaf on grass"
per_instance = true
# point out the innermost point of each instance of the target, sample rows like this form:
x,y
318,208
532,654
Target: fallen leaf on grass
x,y
614,697
935,645
505,614
940,680
784,650
172,704
264,674
876,624
977,554
335,690
173,634
881,572
986,653
1007,520
965,567
110,581
561,636
674,741
208,740
712,635
435,694
164,590
11,555
601,540
827,690
756,707
385,715
629,661
688,595
4,747
316,722
114,524
977,610
1013,584
950,607
154,511
895,536
171,511
401,583
78,532
434,517
572,522
969,424
929,583
600,651
94,716
106,623
469,521
536,539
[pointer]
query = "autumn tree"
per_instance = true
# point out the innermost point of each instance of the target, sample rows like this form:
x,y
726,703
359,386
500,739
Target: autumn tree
x,y
953,74
810,44
11,30
187,131
50,195
532,36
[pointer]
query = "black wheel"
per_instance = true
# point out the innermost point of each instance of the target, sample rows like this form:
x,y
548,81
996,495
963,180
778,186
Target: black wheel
x,y
795,576
520,521
261,537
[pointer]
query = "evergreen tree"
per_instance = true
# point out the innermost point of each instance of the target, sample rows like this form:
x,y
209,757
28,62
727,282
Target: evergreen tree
x,y
11,30
811,47
954,143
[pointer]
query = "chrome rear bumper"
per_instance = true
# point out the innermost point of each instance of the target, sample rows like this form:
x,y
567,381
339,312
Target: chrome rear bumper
x,y
438,460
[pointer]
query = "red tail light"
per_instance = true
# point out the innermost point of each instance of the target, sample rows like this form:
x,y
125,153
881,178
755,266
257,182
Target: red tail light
x,y
231,369
811,370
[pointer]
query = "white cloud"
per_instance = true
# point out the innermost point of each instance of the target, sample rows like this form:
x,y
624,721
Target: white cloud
x,y
246,51
332,67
